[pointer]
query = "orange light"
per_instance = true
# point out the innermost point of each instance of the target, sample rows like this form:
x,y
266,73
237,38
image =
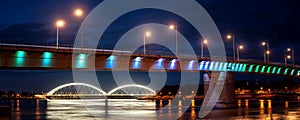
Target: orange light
x,y
263,43
268,52
172,27
205,41
78,12
229,36
60,23
241,47
288,49
148,34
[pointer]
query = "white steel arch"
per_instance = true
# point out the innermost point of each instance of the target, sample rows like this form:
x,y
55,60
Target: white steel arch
x,y
75,84
130,85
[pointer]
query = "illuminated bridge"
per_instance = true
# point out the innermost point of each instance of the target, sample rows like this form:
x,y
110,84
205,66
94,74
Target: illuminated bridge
x,y
40,57
87,91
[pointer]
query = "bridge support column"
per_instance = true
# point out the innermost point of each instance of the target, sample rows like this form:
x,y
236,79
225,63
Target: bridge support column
x,y
227,97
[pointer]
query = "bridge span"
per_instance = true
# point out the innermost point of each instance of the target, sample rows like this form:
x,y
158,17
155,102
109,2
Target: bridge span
x,y
23,57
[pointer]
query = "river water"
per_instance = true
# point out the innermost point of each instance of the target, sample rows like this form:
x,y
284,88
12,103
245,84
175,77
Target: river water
x,y
125,109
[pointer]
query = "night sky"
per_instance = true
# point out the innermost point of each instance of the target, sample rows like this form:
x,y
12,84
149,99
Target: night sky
x,y
33,22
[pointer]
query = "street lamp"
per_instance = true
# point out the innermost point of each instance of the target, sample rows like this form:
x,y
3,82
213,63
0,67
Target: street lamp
x,y
59,24
293,54
174,27
233,45
238,53
204,41
266,51
147,34
285,59
79,13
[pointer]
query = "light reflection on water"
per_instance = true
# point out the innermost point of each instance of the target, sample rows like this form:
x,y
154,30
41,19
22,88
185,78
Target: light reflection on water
x,y
135,109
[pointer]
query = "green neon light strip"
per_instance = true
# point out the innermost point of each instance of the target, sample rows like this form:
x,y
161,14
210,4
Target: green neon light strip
x,y
251,68
257,68
285,71
229,65
269,69
279,70
244,67
20,54
216,66
237,66
20,58
240,67
211,65
225,66
263,69
292,72
233,66
220,68
274,70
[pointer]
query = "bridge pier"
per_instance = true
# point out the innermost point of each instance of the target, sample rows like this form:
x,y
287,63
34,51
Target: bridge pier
x,y
227,96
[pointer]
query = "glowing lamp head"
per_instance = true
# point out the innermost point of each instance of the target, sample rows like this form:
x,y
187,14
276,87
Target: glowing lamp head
x,y
268,52
78,12
288,49
241,47
263,43
205,41
288,57
229,36
172,27
148,34
60,23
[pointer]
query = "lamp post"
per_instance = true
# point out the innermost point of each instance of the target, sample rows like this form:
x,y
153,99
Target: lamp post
x,y
237,51
174,27
293,54
266,51
285,59
59,24
233,45
202,47
79,13
147,34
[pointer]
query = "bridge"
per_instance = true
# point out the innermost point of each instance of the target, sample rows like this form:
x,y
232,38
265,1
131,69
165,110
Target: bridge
x,y
87,91
33,57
